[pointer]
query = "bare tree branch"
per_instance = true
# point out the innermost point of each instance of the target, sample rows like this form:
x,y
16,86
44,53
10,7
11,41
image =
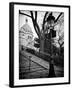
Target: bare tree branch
x,y
24,14
32,14
61,44
36,26
58,17
44,20
35,15
36,30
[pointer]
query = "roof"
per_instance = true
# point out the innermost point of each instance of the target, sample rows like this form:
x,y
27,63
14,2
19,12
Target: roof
x,y
26,28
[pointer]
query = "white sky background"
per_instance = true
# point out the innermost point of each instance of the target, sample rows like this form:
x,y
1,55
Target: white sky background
x,y
40,16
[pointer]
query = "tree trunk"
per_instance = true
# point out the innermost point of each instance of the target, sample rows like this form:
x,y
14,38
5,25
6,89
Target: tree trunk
x,y
42,42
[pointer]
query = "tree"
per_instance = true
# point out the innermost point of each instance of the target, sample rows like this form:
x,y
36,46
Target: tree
x,y
41,32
